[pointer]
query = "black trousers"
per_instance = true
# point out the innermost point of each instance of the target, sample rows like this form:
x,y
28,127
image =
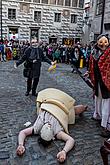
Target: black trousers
x,y
32,84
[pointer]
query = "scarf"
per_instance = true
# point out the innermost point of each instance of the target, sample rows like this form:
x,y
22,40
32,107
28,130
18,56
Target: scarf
x,y
34,55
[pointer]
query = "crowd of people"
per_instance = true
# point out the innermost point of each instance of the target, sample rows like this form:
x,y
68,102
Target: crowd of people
x,y
96,57
69,54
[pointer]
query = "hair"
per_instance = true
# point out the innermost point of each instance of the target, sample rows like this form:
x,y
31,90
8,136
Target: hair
x,y
103,35
34,38
44,142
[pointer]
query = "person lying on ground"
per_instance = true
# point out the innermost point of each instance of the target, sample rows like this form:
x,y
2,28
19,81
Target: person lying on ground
x,y
55,110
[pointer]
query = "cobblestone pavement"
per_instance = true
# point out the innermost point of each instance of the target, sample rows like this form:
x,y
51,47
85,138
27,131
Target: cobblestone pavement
x,y
16,109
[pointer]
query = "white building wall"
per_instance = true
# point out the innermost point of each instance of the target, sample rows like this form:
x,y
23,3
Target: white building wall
x,y
24,21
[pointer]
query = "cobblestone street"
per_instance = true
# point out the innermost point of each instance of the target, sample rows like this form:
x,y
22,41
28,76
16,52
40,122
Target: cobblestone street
x,y
16,109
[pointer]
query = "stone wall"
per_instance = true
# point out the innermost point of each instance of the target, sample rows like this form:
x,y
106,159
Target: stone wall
x,y
25,21
96,19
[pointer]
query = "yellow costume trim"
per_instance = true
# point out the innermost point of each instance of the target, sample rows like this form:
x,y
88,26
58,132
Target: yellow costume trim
x,y
57,103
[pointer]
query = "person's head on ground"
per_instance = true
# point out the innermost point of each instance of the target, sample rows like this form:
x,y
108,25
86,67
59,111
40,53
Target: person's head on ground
x,y
46,135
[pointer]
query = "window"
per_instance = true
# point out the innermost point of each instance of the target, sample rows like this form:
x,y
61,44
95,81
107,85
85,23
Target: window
x,y
37,16
74,3
37,1
95,36
44,1
92,3
107,26
73,18
12,14
81,3
99,7
67,2
57,17
53,2
60,2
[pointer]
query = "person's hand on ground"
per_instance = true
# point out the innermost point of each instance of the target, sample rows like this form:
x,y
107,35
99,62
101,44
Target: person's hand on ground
x,y
61,156
20,150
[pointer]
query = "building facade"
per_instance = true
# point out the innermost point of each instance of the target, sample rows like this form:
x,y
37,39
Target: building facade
x,y
87,26
47,20
99,17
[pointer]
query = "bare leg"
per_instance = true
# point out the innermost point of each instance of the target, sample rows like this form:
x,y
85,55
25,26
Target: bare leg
x,y
79,109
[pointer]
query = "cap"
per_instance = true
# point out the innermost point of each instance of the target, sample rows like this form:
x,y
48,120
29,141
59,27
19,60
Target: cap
x,y
46,132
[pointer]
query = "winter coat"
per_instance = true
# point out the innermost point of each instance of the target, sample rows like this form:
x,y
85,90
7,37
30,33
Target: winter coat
x,y
34,64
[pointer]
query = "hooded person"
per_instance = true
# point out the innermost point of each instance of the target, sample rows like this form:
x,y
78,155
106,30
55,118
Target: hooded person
x,y
55,110
99,73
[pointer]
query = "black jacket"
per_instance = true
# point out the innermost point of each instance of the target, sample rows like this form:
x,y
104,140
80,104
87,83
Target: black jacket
x,y
35,66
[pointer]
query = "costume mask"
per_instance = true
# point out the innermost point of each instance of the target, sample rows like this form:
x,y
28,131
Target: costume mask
x,y
103,43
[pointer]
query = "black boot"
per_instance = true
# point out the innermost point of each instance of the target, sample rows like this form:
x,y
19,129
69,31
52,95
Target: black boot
x,y
34,93
27,93
29,83
105,134
34,86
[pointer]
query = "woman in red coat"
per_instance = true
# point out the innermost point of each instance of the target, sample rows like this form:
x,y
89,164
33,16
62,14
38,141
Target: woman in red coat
x,y
99,72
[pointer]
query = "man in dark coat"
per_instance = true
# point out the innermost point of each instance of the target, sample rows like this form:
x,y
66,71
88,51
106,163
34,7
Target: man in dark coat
x,y
75,58
33,57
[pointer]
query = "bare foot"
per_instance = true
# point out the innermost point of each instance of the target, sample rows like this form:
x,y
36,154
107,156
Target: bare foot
x,y
79,109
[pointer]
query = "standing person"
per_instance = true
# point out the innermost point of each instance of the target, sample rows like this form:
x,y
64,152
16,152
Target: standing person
x,y
99,72
33,57
75,58
68,54
2,51
63,54
55,111
88,50
56,55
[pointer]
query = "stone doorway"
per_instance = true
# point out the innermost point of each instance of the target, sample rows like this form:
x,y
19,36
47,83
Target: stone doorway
x,y
13,33
52,39
34,33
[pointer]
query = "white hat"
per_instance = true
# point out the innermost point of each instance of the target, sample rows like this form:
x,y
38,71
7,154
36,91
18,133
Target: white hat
x,y
46,132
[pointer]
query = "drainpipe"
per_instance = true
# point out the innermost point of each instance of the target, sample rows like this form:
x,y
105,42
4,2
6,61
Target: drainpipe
x,y
102,19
